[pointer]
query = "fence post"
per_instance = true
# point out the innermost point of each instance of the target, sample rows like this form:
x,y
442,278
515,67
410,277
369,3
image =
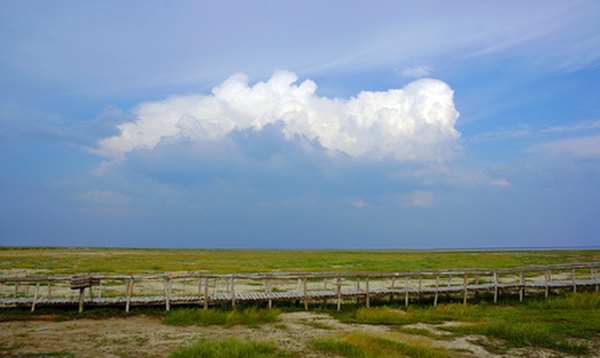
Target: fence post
x,y
573,279
304,284
206,293
495,287
406,286
35,296
437,290
546,286
368,297
465,289
232,291
522,286
270,284
338,289
167,284
129,291
81,299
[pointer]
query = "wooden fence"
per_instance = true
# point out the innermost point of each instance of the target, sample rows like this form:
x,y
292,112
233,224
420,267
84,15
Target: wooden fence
x,y
210,289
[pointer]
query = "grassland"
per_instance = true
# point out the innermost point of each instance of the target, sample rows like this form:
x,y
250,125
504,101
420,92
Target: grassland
x,y
133,261
563,324
227,348
250,317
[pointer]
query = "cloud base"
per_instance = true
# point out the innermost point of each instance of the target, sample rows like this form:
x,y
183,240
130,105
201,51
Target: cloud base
x,y
416,122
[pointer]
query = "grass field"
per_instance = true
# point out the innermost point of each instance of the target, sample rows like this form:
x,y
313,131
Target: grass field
x,y
564,324
133,261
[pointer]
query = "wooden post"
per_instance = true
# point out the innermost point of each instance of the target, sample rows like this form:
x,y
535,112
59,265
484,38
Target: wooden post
x,y
465,289
546,279
357,290
49,289
406,286
449,284
305,293
595,277
437,284
91,289
17,289
325,284
299,285
81,299
522,286
232,291
495,287
100,289
420,282
476,286
367,294
338,293
35,296
270,292
573,279
199,290
129,290
206,293
393,288
167,293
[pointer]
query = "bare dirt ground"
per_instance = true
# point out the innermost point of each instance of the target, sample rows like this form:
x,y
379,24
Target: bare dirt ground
x,y
140,336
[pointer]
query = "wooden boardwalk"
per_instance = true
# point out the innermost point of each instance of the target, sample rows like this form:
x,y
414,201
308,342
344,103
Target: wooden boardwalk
x,y
94,290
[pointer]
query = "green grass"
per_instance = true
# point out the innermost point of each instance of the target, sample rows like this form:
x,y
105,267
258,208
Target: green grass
x,y
425,333
358,345
250,317
552,323
63,314
131,261
228,348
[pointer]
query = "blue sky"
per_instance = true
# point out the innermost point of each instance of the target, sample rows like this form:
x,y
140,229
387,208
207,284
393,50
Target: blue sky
x,y
300,124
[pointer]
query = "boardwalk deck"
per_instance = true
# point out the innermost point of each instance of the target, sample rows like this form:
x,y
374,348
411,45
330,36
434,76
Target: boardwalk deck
x,y
412,284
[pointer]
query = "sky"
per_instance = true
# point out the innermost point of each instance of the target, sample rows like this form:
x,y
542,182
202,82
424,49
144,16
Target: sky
x,y
300,124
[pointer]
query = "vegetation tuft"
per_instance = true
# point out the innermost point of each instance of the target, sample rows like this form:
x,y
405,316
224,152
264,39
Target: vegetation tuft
x,y
250,317
358,345
228,348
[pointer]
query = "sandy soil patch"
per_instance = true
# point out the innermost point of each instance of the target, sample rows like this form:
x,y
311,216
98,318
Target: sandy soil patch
x,y
147,337
141,336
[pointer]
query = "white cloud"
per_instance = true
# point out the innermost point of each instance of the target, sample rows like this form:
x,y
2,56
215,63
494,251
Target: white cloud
x,y
416,72
581,126
416,122
580,147
522,131
422,198
500,182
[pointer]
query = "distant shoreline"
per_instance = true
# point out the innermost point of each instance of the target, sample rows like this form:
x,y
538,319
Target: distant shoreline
x,y
444,249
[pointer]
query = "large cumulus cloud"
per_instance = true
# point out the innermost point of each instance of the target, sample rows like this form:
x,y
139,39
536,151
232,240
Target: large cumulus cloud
x,y
416,122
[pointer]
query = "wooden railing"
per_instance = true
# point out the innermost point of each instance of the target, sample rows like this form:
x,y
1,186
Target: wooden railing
x,y
208,289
